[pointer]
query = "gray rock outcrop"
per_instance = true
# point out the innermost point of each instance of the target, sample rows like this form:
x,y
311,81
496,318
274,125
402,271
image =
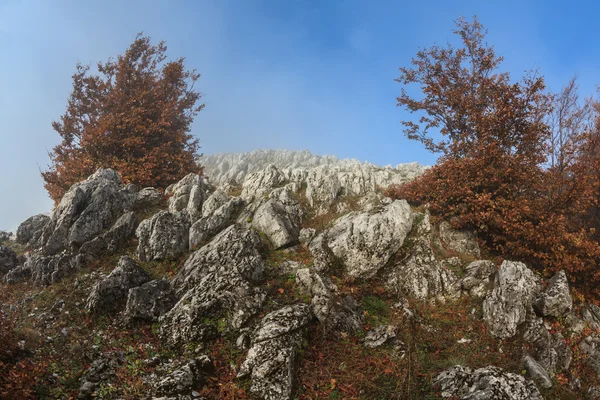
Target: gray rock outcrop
x,y
30,230
86,210
183,380
507,306
188,194
486,383
113,239
150,300
165,235
555,300
271,359
8,260
112,290
213,223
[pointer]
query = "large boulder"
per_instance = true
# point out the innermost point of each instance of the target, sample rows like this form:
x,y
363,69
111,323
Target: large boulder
x,y
590,346
262,182
215,222
486,383
418,273
8,260
214,202
279,223
547,347
165,235
479,277
150,300
45,270
461,241
188,194
148,197
217,284
365,241
507,306
555,300
185,379
113,290
271,359
30,230
113,239
85,211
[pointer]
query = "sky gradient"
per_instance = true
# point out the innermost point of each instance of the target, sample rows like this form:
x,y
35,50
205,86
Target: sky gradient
x,y
316,75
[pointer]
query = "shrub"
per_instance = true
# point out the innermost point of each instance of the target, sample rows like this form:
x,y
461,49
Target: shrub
x,y
133,116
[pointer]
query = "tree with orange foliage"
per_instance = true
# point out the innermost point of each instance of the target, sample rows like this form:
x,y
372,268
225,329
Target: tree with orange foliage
x,y
133,116
493,139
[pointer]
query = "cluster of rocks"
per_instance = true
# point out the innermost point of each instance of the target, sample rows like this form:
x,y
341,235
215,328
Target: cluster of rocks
x,y
219,290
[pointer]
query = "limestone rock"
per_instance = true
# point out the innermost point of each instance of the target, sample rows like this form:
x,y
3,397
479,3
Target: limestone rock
x,y
8,260
271,359
485,383
591,315
87,209
214,223
114,238
418,274
214,202
556,300
217,286
478,279
102,370
537,372
186,378
590,346
278,222
148,197
30,230
365,241
150,300
188,194
462,241
506,307
380,335
45,270
165,235
549,349
112,290
5,237
262,182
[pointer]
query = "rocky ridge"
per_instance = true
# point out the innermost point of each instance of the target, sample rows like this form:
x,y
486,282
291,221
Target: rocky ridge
x,y
241,279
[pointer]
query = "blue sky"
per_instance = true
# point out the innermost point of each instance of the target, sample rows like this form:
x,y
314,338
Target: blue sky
x,y
292,74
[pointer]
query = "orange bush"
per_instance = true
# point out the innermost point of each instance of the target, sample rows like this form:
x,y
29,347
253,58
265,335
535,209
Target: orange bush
x,y
491,175
134,117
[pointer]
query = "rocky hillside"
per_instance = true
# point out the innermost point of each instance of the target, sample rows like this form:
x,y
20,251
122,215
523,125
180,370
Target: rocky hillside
x,y
279,275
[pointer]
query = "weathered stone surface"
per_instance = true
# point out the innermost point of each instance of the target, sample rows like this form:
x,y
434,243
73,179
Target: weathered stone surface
x,y
262,182
537,372
280,223
17,275
590,346
270,360
148,197
306,235
8,260
87,209
591,315
418,274
365,241
380,335
214,202
45,270
506,307
111,291
478,279
186,378
150,300
214,223
484,384
113,239
5,236
217,283
165,235
30,230
188,194
555,300
462,241
337,313
549,349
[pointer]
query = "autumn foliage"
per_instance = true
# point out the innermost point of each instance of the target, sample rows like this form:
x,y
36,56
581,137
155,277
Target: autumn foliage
x,y
134,116
524,176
